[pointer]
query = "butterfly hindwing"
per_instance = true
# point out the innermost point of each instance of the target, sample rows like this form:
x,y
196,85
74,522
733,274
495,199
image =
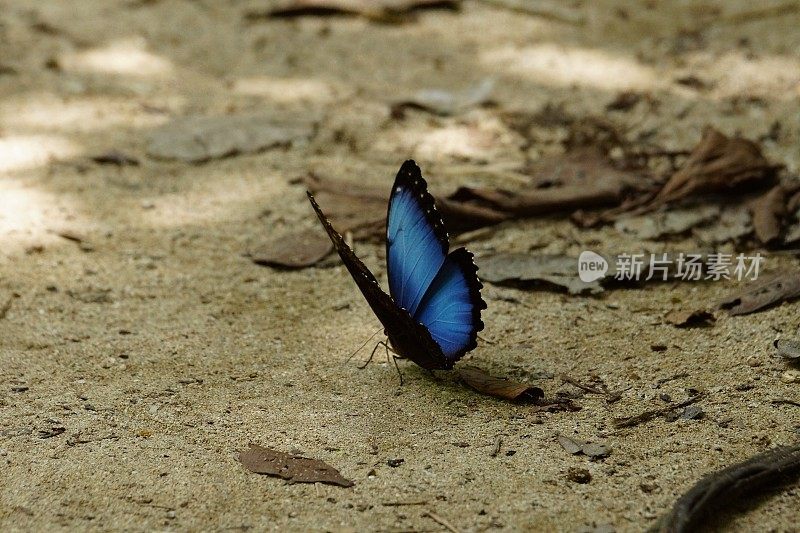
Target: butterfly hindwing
x,y
451,307
416,241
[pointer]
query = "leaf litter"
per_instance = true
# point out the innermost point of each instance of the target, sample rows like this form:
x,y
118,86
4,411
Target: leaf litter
x,y
764,293
295,250
503,388
576,447
293,468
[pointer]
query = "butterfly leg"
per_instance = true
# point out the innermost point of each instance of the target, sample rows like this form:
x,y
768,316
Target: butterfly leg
x,y
371,355
396,367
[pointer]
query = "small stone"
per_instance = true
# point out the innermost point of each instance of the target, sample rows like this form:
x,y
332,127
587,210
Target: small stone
x,y
394,463
692,412
579,475
791,376
649,488
171,514
753,361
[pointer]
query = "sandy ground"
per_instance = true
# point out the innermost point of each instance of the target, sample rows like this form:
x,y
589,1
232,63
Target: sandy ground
x,y
163,351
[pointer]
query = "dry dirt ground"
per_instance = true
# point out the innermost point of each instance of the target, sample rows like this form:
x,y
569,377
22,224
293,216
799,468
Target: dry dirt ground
x,y
162,351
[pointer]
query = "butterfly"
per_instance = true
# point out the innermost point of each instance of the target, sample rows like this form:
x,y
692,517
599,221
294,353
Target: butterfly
x,y
432,314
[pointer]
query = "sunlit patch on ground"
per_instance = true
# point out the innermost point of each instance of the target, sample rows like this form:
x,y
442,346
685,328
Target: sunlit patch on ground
x,y
21,152
48,112
286,89
773,77
25,213
559,66
129,57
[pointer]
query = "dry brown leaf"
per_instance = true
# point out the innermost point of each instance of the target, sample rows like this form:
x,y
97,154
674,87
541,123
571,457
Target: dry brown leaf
x,y
295,250
688,318
717,164
758,295
583,178
361,209
667,223
498,387
291,467
768,211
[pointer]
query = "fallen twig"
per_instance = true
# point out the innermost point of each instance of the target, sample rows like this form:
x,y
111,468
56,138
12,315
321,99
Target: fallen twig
x,y
726,488
6,307
441,521
632,421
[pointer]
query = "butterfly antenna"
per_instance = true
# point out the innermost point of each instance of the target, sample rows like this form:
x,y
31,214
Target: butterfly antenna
x,y
360,347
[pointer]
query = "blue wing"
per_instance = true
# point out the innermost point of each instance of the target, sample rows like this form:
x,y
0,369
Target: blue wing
x,y
451,307
416,241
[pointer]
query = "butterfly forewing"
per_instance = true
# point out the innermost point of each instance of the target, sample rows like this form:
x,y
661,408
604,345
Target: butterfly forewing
x,y
416,241
410,338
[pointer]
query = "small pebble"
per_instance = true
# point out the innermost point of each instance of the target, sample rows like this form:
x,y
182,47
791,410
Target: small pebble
x,y
394,463
579,475
753,361
171,514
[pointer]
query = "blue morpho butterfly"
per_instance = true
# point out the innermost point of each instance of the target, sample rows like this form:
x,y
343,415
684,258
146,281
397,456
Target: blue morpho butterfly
x,y
433,315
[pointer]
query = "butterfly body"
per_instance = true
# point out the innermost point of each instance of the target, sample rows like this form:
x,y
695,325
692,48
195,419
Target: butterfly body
x,y
432,314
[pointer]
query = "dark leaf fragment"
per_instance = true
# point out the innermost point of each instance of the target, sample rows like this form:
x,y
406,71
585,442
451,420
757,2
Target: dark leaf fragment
x,y
758,295
768,211
295,250
380,10
688,318
502,388
116,158
291,467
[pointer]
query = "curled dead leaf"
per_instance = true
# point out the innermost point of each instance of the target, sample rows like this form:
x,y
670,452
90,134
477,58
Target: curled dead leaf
x,y
502,388
763,293
291,467
768,211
